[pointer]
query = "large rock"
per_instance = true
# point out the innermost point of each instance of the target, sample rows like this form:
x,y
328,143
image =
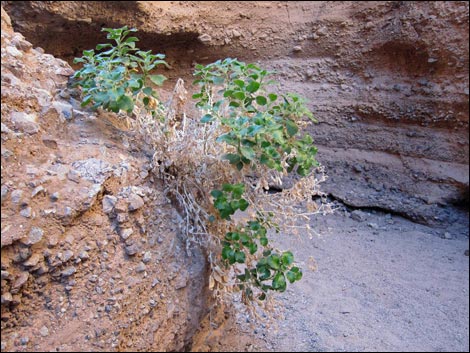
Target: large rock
x,y
93,169
24,122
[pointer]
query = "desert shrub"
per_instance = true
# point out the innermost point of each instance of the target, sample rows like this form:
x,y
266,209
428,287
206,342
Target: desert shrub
x,y
220,165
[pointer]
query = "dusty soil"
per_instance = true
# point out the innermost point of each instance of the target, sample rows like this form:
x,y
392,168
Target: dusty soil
x,y
372,282
83,270
92,257
381,284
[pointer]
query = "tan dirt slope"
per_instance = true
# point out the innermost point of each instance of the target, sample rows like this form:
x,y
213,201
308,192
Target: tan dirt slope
x,y
388,80
91,254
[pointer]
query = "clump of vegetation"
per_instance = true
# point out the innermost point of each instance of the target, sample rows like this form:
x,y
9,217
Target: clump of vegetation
x,y
117,76
260,131
219,166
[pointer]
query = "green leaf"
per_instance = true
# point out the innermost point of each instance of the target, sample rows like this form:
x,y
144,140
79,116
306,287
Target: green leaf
x,y
253,248
148,91
243,205
231,257
261,100
266,252
226,252
228,139
86,100
136,83
254,225
131,39
272,97
207,118
279,282
277,136
264,159
264,241
264,273
146,101
239,83
235,205
227,187
272,151
240,257
291,276
253,86
236,189
238,95
274,261
302,171
125,103
297,272
245,239
291,127
216,194
287,258
217,80
157,79
89,53
78,60
232,158
247,152
225,214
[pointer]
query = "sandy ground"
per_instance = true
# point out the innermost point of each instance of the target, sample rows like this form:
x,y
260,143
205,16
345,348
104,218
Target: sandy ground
x,y
379,284
374,282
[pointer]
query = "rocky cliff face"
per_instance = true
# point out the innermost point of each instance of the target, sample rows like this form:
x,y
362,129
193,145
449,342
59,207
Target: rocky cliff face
x,y
388,81
91,255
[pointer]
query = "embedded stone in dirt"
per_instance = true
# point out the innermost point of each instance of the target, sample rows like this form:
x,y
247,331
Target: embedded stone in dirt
x,y
135,202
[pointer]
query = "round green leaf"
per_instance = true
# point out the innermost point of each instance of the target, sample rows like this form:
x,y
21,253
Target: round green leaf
x,y
207,118
216,193
261,100
291,276
263,241
148,91
279,282
247,152
243,205
125,103
232,158
274,261
291,127
253,86
287,258
238,95
240,257
157,79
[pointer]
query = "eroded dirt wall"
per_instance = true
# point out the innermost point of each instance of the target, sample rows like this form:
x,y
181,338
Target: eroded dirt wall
x,y
92,257
388,81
